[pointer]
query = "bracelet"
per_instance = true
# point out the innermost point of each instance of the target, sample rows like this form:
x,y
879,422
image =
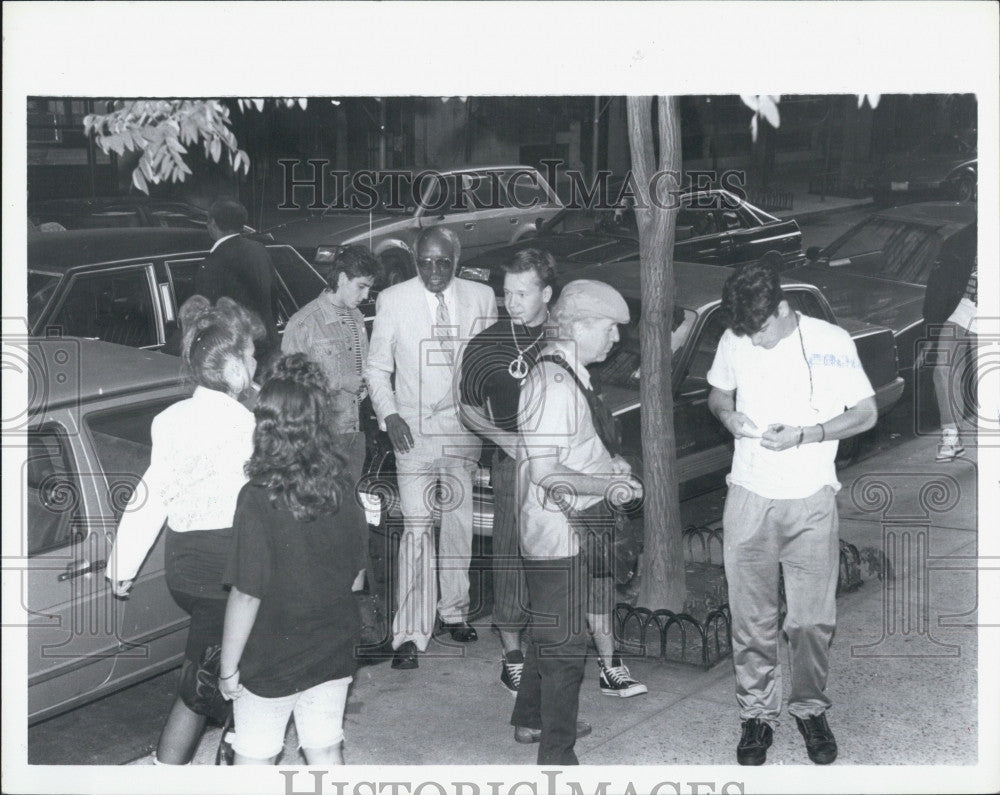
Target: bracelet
x,y
224,678
822,432
802,433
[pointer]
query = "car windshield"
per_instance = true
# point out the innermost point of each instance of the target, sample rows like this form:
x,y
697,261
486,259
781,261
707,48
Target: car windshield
x,y
41,285
388,197
888,248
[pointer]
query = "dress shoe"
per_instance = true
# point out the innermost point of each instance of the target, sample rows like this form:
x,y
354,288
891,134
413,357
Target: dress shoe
x,y
462,631
405,656
820,742
756,739
524,735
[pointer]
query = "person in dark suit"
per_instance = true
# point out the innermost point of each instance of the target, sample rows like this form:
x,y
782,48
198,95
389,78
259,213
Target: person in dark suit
x,y
241,269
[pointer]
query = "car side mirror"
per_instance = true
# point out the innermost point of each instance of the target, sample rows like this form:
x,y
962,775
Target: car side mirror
x,y
812,253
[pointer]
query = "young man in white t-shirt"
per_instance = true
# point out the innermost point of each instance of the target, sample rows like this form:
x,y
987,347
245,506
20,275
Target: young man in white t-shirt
x,y
787,387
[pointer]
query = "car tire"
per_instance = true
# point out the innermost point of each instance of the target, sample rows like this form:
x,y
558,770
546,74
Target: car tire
x,y
396,267
966,189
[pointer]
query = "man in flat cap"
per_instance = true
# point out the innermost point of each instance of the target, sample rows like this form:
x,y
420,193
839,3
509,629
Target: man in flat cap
x,y
565,467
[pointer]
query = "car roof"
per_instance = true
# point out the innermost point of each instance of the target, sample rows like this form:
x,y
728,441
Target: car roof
x,y
695,284
949,217
94,368
64,250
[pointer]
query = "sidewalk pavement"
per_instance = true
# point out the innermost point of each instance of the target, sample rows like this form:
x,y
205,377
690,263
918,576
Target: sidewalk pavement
x,y
903,676
806,204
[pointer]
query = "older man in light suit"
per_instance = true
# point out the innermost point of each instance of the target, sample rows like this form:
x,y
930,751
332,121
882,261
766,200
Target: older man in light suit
x,y
420,326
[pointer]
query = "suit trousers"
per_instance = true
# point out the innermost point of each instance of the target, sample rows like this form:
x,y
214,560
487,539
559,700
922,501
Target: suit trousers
x,y
549,695
424,474
802,536
510,591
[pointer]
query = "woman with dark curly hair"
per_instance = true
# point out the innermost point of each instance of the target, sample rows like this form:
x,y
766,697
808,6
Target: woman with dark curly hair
x,y
291,622
199,448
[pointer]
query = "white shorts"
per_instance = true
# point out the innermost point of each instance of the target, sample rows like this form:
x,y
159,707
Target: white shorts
x,y
319,719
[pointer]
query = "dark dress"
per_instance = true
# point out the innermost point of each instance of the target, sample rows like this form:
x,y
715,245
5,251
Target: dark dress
x,y
307,625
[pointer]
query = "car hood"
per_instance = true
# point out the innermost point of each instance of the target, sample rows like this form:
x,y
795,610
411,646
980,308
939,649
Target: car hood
x,y
331,229
881,302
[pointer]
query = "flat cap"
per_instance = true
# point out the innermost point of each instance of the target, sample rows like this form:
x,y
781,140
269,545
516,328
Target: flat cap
x,y
584,298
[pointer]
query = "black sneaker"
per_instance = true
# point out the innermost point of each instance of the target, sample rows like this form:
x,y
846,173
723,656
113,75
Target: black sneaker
x,y
617,681
756,739
821,745
511,667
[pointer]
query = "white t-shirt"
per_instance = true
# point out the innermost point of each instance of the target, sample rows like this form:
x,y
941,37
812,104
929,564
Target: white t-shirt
x,y
773,387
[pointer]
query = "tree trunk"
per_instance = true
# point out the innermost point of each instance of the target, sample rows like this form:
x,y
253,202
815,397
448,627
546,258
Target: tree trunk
x,y
662,568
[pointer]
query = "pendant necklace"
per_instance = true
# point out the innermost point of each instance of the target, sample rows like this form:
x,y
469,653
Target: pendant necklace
x,y
518,368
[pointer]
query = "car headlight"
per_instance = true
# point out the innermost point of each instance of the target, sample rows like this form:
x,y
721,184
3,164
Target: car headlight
x,y
327,253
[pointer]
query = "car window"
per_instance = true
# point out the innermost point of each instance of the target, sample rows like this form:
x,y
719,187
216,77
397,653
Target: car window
x,y
54,500
621,368
181,275
806,302
122,444
703,354
41,285
698,222
526,191
889,249
300,279
114,305
178,217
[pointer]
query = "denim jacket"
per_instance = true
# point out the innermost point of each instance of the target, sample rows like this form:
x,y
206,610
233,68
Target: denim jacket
x,y
318,331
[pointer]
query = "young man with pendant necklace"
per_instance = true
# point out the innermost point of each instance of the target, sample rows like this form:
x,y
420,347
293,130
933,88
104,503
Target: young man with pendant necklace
x,y
494,367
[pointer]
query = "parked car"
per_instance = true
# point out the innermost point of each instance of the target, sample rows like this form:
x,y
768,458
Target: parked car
x,y
714,227
87,444
943,167
704,447
115,212
878,270
126,285
390,229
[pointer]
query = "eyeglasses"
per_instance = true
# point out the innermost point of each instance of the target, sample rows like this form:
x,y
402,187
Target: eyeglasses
x,y
435,262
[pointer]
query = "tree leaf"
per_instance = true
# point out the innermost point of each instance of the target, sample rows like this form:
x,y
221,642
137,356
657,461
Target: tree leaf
x,y
769,110
751,101
753,128
216,149
303,102
139,181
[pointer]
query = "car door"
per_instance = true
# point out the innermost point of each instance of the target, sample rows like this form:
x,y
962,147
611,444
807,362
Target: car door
x,y
70,611
113,303
704,446
149,626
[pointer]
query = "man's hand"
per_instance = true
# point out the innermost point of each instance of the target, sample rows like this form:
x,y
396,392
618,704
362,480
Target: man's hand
x,y
623,490
781,437
399,433
739,424
619,466
120,588
353,383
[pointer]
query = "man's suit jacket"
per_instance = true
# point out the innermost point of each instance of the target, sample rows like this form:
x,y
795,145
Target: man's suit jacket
x,y
241,269
403,343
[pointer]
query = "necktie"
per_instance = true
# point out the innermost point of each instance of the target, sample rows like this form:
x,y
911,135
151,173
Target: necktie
x,y
443,329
